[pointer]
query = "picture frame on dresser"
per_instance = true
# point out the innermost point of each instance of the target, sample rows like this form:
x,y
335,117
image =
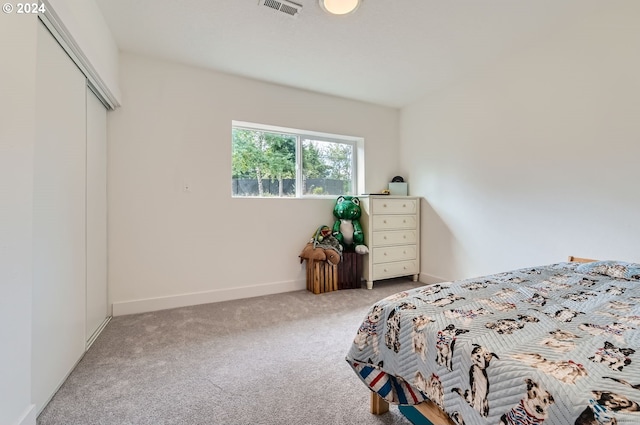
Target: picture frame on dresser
x,y
391,225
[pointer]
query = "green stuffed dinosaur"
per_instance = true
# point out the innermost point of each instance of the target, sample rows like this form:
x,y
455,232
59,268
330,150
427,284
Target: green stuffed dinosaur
x,y
347,228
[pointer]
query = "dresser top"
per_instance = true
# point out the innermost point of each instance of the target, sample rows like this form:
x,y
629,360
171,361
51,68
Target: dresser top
x,y
387,196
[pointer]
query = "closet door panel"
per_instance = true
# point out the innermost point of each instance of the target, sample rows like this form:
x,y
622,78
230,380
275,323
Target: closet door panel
x,y
59,237
96,214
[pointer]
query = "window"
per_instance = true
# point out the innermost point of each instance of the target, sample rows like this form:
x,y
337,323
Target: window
x,y
270,161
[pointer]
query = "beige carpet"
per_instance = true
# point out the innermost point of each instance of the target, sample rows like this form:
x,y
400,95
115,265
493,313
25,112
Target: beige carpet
x,y
277,359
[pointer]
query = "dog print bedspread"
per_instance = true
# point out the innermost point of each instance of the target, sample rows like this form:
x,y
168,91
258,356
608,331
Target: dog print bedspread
x,y
556,344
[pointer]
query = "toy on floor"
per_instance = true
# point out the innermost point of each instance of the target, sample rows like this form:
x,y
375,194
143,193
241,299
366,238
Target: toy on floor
x,y
347,228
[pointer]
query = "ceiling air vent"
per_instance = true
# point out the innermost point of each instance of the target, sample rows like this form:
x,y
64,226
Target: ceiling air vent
x,y
284,6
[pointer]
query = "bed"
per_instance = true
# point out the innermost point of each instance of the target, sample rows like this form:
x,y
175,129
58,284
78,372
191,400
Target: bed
x,y
556,344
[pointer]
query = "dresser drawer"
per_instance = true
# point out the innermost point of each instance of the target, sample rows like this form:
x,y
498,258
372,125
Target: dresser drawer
x,y
393,222
394,206
401,268
394,237
388,254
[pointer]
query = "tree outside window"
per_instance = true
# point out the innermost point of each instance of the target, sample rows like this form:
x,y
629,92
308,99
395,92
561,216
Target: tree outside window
x,y
266,163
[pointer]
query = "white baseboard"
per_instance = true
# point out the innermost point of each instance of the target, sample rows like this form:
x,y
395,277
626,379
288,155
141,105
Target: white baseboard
x,y
28,417
430,279
206,297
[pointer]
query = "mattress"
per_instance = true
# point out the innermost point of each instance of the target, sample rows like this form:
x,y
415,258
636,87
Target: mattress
x,y
555,344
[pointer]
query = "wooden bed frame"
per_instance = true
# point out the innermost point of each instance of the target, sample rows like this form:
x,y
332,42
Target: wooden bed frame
x,y
573,259
429,409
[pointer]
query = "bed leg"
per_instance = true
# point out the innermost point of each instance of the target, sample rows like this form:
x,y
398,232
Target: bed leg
x,y
378,404
369,284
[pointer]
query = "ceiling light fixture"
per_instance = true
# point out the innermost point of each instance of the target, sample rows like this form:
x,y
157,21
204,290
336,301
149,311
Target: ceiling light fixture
x,y
339,7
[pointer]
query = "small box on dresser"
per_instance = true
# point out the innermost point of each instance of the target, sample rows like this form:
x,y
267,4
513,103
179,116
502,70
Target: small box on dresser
x,y
391,225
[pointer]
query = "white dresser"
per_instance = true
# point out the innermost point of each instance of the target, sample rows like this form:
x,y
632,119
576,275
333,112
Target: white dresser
x,y
391,225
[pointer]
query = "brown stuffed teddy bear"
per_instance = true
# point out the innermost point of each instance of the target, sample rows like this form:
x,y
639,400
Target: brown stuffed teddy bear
x,y
322,246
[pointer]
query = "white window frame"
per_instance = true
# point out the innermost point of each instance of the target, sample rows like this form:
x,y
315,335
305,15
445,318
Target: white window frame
x,y
357,159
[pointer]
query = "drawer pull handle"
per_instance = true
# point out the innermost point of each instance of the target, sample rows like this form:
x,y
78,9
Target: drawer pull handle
x,y
385,238
385,254
404,221
384,205
384,221
404,236
385,270
404,205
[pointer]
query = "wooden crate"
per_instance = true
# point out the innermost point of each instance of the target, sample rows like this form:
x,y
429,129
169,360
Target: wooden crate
x,y
321,276
350,271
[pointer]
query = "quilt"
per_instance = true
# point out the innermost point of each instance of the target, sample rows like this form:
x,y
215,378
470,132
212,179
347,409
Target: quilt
x,y
557,344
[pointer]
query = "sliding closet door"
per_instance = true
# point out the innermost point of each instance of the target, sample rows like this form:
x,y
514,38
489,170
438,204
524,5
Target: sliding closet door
x,y
96,216
59,237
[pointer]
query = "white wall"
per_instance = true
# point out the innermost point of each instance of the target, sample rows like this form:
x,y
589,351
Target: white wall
x,y
17,135
536,158
168,247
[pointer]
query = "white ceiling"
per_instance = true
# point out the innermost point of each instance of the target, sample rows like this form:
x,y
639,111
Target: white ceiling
x,y
390,52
